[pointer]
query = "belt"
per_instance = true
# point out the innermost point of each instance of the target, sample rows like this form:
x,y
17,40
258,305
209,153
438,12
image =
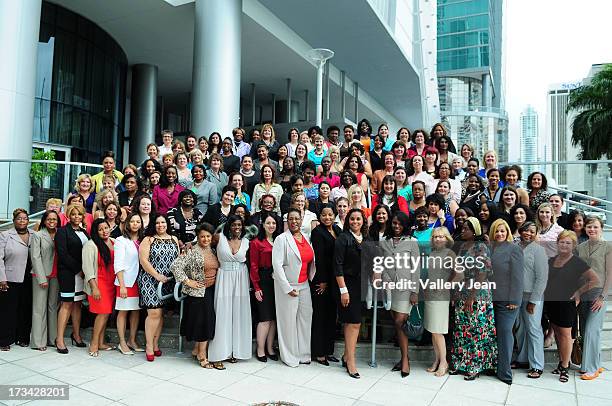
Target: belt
x,y
231,266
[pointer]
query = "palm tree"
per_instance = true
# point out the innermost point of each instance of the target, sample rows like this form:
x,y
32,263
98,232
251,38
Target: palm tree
x,y
592,126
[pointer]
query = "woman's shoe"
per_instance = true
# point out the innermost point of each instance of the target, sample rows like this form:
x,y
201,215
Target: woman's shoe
x,y
94,354
263,358
136,348
5,348
128,352
80,344
397,366
61,350
323,362
273,357
405,373
441,371
150,357
470,377
157,353
331,358
354,375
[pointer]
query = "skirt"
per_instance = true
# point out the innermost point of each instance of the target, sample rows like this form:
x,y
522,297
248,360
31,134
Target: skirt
x,y
562,314
130,302
266,309
400,301
71,287
198,323
351,313
435,319
106,285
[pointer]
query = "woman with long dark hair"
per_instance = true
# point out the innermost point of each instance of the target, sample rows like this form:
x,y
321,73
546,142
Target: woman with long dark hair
x,y
260,257
387,195
98,267
156,253
166,194
381,223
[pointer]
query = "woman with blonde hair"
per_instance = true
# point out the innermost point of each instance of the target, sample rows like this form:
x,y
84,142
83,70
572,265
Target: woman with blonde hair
x,y
268,138
507,262
548,229
437,300
85,187
357,200
334,154
490,162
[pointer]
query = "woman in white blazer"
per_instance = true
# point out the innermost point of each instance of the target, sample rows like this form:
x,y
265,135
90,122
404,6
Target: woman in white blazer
x,y
126,271
293,264
45,288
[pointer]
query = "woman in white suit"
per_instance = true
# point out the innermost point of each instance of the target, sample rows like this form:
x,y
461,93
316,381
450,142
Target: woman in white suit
x,y
293,263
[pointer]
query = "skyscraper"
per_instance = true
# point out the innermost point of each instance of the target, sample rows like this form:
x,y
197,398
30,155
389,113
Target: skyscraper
x,y
529,138
470,82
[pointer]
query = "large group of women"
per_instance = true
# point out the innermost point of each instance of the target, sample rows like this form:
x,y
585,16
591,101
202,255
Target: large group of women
x,y
281,225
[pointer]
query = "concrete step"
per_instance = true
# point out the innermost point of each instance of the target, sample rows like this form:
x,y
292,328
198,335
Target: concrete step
x,y
169,340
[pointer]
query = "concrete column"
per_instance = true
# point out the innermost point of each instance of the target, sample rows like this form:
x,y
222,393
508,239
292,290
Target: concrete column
x,y
343,95
19,28
289,100
487,98
216,66
143,112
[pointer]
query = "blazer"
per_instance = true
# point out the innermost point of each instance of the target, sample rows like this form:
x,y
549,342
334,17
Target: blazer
x,y
508,265
126,261
13,256
323,246
406,246
42,254
347,255
90,264
535,276
69,250
287,262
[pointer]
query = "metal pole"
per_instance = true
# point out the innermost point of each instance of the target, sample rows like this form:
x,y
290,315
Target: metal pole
x,y
356,94
343,95
253,104
327,91
372,362
319,116
288,100
273,109
306,105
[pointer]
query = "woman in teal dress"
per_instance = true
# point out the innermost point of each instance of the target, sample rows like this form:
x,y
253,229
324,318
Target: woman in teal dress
x,y
474,348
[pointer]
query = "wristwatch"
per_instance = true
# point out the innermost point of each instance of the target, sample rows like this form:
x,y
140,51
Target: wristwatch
x,y
343,290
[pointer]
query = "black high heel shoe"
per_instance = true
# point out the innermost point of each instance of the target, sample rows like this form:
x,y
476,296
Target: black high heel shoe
x,y
61,350
76,343
323,362
273,357
263,358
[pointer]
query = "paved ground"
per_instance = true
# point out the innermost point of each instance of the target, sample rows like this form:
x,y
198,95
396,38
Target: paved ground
x,y
176,380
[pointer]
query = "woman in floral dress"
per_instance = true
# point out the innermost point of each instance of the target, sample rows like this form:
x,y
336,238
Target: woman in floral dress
x,y
474,348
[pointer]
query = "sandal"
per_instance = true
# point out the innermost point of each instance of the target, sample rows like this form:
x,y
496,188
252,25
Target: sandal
x,y
534,373
563,374
441,371
40,348
433,368
232,360
218,366
205,364
557,370
470,377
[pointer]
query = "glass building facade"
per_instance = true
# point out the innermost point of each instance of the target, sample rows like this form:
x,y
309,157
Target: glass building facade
x,y
469,74
80,86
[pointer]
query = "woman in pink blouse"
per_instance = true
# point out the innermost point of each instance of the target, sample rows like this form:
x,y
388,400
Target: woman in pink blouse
x,y
165,195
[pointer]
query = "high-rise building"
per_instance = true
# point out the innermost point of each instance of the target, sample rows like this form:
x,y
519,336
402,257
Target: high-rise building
x,y
470,82
529,138
589,179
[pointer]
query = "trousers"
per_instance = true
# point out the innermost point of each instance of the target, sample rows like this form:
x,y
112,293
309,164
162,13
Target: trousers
x,y
529,336
293,322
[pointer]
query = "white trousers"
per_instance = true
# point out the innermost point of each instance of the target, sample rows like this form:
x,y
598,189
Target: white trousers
x,y
293,322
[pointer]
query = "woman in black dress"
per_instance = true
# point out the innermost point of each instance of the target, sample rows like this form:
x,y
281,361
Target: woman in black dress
x,y
197,271
347,266
322,287
260,257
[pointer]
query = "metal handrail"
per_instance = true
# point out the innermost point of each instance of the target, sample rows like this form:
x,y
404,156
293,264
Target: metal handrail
x,y
591,208
576,162
580,195
159,290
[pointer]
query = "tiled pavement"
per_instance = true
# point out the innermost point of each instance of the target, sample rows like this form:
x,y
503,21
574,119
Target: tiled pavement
x,y
173,380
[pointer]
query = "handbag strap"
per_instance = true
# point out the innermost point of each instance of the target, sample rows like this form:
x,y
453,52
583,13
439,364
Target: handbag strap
x,y
418,311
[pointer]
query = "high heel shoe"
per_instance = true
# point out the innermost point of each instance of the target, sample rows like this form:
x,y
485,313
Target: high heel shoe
x,y
150,357
263,358
128,352
397,366
405,374
273,357
61,350
331,358
157,353
323,362
80,344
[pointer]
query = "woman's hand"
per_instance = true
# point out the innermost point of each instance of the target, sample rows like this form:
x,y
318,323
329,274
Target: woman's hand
x,y
530,307
161,278
441,215
4,286
321,288
597,304
469,304
44,285
293,293
123,292
414,298
259,295
95,293
511,306
195,284
345,299
576,297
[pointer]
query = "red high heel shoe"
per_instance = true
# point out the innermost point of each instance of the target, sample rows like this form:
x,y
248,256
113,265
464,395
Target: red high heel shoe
x,y
157,353
150,357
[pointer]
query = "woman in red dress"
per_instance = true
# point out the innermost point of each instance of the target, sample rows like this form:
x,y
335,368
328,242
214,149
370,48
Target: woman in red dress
x,y
98,259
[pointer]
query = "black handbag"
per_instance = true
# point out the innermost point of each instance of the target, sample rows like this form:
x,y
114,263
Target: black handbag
x,y
413,328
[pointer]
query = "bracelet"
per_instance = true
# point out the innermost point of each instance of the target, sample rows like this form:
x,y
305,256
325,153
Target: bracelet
x,y
343,290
